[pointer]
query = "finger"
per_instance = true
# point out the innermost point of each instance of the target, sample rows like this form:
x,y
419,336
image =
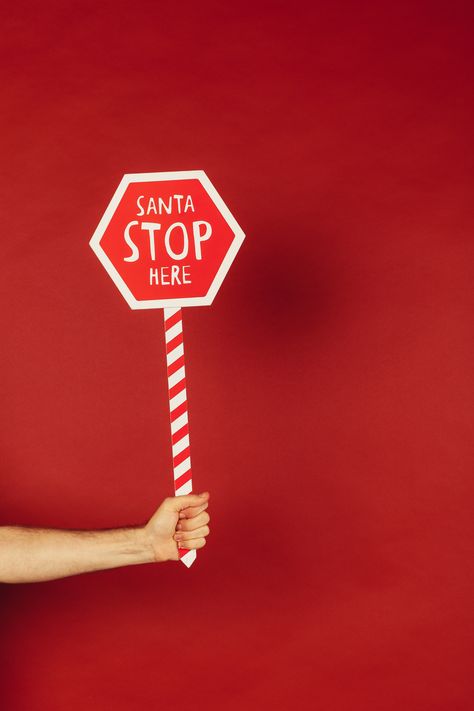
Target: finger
x,y
195,543
192,511
193,523
190,535
178,503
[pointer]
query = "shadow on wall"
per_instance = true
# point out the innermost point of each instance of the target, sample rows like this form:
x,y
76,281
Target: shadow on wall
x,y
286,281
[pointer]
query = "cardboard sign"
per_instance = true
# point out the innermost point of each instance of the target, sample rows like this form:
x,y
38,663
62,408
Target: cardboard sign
x,y
167,239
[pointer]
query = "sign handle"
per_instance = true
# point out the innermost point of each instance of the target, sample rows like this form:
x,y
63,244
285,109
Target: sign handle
x,y
178,404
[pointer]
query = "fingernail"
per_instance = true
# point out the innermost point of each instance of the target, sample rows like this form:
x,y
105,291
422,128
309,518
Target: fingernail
x,y
179,527
177,536
182,515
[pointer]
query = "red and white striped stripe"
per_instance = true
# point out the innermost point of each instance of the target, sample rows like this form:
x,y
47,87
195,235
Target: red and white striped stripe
x,y
178,411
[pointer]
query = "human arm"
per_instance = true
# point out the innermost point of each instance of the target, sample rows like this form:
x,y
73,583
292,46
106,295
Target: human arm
x,y
34,554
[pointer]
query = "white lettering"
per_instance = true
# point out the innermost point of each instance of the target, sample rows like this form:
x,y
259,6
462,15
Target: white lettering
x,y
162,204
188,204
139,205
184,252
198,237
178,199
161,275
151,207
159,205
135,252
175,274
186,275
202,232
164,275
151,227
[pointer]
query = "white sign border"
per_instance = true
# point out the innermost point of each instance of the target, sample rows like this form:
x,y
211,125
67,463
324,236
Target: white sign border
x,y
127,180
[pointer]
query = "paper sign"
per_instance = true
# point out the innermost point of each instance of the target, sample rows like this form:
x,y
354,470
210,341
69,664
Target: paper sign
x,y
167,239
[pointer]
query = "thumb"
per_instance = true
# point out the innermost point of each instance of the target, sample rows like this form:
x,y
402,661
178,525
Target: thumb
x,y
178,503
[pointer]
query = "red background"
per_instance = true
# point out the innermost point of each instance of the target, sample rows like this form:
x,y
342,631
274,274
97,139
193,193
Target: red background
x,y
330,382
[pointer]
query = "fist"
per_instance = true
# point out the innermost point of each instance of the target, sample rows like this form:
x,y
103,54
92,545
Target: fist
x,y
180,522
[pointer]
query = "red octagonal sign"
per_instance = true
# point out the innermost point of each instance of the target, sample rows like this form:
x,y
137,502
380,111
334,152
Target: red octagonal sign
x,y
167,239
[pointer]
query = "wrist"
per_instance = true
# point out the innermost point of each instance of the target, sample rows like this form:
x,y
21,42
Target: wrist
x,y
143,545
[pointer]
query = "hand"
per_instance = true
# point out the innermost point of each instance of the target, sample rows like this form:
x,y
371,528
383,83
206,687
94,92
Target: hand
x,y
180,521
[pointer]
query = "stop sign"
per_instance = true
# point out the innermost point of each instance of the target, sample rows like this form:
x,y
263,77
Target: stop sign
x,y
167,239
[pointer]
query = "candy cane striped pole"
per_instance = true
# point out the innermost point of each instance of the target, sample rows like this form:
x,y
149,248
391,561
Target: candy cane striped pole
x,y
178,411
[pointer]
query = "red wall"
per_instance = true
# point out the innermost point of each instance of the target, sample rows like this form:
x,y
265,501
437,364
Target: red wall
x,y
330,383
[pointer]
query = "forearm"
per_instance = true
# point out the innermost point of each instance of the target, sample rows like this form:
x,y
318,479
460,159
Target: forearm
x,y
33,555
